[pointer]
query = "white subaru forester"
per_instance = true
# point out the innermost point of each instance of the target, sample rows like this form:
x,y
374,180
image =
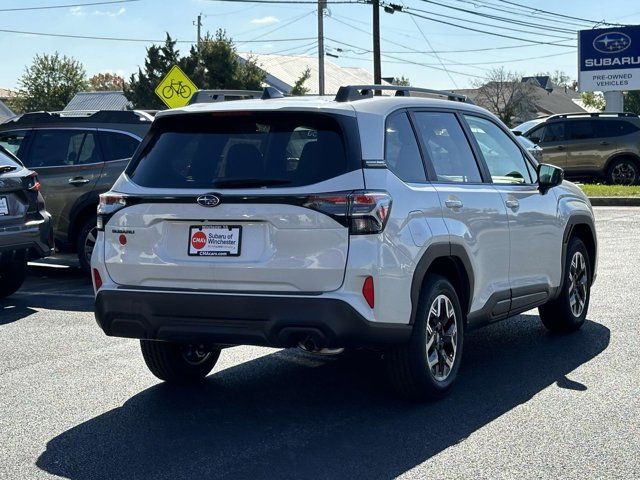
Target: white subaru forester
x,y
388,222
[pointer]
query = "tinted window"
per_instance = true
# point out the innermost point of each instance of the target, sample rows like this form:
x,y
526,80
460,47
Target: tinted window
x,y
117,146
554,132
53,148
503,157
536,135
582,130
244,150
401,151
14,142
617,128
7,159
446,147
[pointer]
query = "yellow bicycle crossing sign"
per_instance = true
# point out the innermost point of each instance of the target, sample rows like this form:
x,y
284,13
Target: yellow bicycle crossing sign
x,y
175,89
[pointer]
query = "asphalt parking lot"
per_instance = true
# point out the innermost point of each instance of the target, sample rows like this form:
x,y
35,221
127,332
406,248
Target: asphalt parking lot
x,y
77,404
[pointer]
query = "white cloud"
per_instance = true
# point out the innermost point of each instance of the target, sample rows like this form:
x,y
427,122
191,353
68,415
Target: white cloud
x,y
110,14
265,20
76,11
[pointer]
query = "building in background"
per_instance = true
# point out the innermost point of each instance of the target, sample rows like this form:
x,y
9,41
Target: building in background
x,y
282,72
6,96
111,100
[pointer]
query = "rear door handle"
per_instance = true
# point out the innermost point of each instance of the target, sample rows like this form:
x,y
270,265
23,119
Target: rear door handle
x,y
78,181
453,203
604,143
560,147
512,204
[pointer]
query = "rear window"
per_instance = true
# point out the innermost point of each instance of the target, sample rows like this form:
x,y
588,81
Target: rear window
x,y
244,150
7,159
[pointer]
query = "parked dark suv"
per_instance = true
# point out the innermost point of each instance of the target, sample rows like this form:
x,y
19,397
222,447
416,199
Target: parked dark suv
x,y
78,156
25,226
605,145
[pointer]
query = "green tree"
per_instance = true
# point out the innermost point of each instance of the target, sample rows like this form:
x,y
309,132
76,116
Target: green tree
x,y
298,87
215,64
632,102
401,81
103,82
141,88
49,83
593,99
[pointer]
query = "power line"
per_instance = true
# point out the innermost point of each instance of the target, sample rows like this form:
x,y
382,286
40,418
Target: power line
x,y
71,5
408,12
534,9
144,40
500,27
300,2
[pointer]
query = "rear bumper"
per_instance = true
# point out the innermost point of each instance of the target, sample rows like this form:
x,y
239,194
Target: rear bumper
x,y
35,237
229,319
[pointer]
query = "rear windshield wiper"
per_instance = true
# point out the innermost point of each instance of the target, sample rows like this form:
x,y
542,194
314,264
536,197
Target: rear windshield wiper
x,y
7,168
250,182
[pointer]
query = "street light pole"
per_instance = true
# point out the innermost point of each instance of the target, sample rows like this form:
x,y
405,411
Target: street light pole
x,y
377,72
322,4
199,25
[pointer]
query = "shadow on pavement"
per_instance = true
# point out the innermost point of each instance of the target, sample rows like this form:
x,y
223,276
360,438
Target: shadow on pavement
x,y
288,415
46,287
11,312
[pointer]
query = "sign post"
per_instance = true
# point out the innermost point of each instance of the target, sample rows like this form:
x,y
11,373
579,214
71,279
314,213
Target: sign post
x,y
176,89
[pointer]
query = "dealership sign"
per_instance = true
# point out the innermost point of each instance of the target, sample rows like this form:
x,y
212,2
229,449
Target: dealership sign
x,y
609,59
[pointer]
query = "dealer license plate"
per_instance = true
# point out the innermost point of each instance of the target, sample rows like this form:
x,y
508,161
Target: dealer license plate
x,y
215,240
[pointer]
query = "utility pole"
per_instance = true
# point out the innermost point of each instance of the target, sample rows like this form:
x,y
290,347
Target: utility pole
x,y
322,4
377,72
198,26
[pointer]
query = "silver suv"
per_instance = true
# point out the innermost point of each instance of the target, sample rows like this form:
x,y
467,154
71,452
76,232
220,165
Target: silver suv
x,y
389,222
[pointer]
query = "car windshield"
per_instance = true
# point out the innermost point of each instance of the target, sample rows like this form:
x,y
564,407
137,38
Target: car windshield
x,y
242,150
526,126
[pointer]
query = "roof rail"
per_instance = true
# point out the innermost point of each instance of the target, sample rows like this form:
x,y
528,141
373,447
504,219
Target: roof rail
x,y
594,114
210,96
350,93
82,116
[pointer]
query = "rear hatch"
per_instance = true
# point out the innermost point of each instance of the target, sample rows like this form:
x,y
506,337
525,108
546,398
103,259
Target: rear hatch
x,y
239,201
18,192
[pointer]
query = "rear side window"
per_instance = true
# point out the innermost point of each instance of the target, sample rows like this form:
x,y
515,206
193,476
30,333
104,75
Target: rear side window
x,y
54,148
401,151
243,150
583,130
14,141
446,147
618,128
117,146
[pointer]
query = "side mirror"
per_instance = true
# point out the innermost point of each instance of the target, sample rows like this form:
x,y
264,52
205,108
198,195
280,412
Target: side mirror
x,y
549,176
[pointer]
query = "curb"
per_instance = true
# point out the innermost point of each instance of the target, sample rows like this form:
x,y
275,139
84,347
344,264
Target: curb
x,y
615,201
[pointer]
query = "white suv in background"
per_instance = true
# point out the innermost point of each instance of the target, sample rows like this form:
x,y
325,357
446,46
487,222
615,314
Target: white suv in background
x,y
387,222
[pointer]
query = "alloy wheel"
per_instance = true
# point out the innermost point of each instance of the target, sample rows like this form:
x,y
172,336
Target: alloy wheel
x,y
623,174
442,337
577,284
195,355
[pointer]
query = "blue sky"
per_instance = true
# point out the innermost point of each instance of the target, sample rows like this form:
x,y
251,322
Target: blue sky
x,y
403,36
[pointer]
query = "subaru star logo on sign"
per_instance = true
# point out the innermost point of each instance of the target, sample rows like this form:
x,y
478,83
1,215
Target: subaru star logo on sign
x,y
208,200
609,59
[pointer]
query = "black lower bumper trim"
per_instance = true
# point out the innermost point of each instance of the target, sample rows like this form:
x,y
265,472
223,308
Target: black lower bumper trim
x,y
274,321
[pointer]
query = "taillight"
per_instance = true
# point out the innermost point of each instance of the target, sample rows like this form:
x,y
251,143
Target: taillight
x,y
363,212
97,279
32,182
109,204
368,291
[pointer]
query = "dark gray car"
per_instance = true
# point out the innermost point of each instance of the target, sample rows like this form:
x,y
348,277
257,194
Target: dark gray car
x,y
25,226
77,158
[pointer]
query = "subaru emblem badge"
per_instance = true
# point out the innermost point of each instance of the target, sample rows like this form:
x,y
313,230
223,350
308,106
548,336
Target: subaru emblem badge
x,y
208,200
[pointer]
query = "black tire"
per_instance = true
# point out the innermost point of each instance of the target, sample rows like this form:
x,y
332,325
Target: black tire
x,y
12,275
176,363
86,236
559,315
623,171
407,365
